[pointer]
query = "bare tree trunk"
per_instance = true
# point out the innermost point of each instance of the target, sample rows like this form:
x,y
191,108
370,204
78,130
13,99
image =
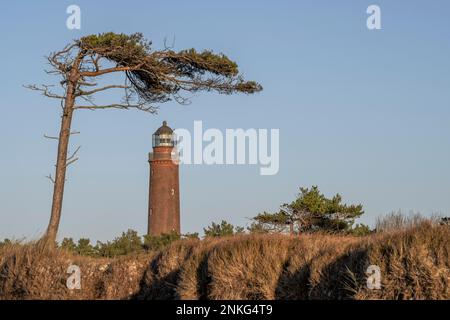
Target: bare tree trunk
x,y
61,164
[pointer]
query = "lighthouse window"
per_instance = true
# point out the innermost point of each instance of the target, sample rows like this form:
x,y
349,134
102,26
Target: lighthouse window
x,y
163,140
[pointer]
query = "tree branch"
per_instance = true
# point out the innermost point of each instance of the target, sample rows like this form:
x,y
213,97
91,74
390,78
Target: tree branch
x,y
71,162
86,93
73,154
140,106
50,178
84,83
44,89
50,137
109,70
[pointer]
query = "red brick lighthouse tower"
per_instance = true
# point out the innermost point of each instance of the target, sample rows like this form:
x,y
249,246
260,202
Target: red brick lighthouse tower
x,y
164,195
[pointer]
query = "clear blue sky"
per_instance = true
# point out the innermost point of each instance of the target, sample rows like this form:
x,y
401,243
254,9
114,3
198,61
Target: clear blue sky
x,y
363,113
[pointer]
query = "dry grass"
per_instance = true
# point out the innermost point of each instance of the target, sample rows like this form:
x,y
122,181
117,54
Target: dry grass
x,y
414,264
32,271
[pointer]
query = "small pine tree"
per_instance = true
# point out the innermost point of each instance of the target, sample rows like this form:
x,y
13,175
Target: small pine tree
x,y
311,211
221,230
257,227
239,230
360,230
128,242
68,244
85,248
191,236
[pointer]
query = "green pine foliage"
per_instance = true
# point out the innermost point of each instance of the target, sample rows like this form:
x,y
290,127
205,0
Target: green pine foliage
x,y
361,230
69,245
128,242
159,242
257,228
222,229
154,80
85,248
193,235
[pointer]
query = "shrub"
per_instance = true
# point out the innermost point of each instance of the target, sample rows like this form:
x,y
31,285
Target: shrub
x,y
85,248
445,221
360,230
68,244
191,236
128,242
257,227
159,242
221,230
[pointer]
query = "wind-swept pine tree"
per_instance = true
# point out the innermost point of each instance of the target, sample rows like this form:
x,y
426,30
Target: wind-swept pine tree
x,y
150,77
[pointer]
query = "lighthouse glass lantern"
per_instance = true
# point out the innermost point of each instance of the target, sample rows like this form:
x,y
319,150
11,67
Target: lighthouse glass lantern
x,y
163,137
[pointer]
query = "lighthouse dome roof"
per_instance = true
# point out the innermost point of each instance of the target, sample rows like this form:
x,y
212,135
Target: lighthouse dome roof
x,y
164,129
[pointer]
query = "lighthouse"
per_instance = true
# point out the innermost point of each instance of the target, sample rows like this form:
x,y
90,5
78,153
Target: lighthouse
x,y
164,193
